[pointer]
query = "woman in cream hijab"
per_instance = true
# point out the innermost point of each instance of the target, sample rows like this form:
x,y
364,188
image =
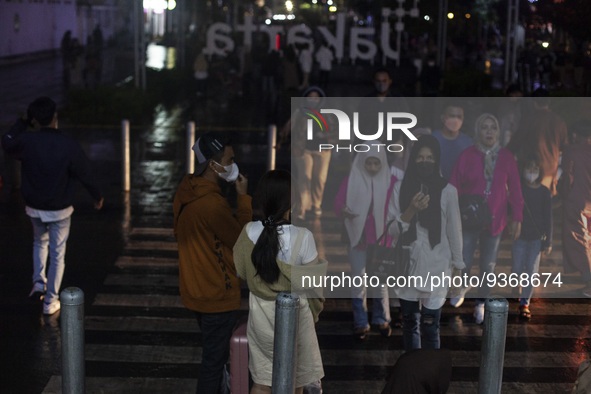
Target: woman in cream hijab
x,y
362,202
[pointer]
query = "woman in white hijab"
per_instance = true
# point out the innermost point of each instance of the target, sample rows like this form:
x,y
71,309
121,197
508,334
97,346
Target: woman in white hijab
x,y
362,202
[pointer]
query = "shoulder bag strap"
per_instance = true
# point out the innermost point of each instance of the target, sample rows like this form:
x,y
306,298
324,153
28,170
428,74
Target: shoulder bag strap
x,y
296,249
383,236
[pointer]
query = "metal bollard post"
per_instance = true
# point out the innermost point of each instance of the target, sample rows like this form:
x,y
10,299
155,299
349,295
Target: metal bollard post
x,y
72,315
190,142
492,354
125,161
287,316
271,142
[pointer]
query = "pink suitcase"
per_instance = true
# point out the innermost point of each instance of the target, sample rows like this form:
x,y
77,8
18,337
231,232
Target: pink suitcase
x,y
239,360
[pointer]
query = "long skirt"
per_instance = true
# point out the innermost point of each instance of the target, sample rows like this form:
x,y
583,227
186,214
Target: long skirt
x,y
260,333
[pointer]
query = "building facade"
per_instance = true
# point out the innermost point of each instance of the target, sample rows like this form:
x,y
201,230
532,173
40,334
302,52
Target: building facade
x,y
35,26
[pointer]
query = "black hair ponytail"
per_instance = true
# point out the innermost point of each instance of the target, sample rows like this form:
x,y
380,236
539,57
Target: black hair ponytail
x,y
274,194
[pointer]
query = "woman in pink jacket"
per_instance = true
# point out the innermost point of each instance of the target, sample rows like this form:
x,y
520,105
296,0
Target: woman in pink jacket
x,y
488,170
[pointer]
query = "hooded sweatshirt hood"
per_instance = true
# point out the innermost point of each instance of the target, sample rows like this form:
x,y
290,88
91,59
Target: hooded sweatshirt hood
x,y
191,189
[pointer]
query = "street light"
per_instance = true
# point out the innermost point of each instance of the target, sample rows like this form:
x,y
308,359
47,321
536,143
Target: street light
x,y
288,5
450,15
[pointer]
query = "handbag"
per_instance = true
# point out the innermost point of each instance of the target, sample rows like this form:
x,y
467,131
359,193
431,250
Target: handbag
x,y
474,209
474,212
383,261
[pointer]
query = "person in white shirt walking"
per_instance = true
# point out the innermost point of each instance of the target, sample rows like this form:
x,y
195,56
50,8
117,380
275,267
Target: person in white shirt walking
x,y
51,164
324,57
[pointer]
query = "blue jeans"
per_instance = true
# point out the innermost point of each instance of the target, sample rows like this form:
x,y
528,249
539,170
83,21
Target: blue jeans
x,y
381,305
216,331
50,239
489,249
526,259
419,323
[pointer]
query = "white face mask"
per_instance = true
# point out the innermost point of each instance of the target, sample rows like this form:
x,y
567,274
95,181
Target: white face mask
x,y
531,176
231,173
381,87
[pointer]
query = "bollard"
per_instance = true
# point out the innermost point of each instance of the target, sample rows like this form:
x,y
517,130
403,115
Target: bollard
x,y
72,315
136,45
126,218
271,142
125,178
190,142
287,315
492,354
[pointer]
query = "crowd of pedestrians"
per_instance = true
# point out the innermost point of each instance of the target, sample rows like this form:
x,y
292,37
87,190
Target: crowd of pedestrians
x,y
519,169
415,195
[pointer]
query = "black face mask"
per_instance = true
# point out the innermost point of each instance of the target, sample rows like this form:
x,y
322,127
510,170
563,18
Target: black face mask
x,y
425,169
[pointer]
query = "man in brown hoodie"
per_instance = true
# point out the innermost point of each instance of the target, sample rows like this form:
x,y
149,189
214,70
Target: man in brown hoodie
x,y
206,231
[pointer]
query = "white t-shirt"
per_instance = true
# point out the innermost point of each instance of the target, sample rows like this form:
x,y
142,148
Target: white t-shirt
x,y
287,236
324,57
306,60
397,172
49,216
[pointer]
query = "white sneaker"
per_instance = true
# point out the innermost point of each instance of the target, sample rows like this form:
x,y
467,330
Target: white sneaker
x,y
479,313
50,309
587,290
458,300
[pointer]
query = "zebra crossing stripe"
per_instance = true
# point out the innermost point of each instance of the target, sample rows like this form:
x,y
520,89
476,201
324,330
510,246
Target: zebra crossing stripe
x,y
142,262
136,336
